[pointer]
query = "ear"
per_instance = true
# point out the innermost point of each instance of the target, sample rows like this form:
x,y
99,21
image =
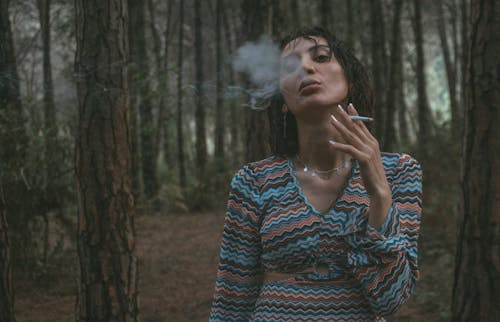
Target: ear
x,y
284,108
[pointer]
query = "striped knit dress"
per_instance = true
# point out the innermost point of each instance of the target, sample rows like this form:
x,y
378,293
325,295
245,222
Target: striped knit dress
x,y
271,227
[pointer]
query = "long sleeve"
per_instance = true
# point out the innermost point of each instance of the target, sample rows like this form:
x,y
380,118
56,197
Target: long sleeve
x,y
239,274
385,260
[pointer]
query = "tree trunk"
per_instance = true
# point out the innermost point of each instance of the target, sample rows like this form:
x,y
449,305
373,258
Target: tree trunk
x,y
379,63
134,110
450,71
180,134
13,142
295,14
257,123
50,123
235,124
350,24
201,140
325,12
162,73
106,237
422,101
464,33
6,294
165,113
141,81
390,130
219,108
476,288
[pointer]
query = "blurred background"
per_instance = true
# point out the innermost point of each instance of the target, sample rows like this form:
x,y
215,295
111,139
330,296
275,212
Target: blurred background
x,y
191,129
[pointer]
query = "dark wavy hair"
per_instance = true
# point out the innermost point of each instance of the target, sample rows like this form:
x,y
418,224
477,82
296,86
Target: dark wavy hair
x,y
360,92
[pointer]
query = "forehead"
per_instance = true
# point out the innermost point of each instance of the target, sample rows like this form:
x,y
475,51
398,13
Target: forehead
x,y
302,44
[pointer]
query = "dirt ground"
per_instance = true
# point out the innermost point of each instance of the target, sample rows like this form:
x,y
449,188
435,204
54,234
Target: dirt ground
x,y
178,257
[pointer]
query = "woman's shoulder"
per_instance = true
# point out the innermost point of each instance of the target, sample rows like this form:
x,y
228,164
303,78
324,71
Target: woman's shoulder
x,y
397,160
260,171
399,165
270,164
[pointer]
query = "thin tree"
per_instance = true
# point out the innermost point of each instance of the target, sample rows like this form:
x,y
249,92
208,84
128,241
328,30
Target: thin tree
x,y
422,100
350,24
161,58
476,288
257,123
134,106
141,81
379,63
201,141
451,73
326,14
219,105
234,125
390,129
12,150
50,124
108,268
6,293
180,134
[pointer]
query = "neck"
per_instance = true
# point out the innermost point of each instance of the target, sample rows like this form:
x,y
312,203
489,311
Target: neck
x,y
314,149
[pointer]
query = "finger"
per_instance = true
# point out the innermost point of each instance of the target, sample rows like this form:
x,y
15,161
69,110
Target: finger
x,y
349,136
347,148
354,126
360,124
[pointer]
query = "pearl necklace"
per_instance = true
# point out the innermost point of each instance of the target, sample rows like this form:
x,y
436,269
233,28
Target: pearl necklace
x,y
323,173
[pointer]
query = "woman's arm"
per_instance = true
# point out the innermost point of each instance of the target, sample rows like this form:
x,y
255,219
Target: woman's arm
x,y
239,275
384,257
384,260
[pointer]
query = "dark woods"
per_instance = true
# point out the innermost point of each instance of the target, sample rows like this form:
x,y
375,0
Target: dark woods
x,y
115,109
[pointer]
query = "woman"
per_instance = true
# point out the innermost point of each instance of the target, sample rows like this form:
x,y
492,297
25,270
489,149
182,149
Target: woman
x,y
326,229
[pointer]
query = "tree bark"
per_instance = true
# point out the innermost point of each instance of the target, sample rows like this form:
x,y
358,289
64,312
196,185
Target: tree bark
x,y
476,288
201,144
106,238
6,293
422,101
180,134
390,130
13,141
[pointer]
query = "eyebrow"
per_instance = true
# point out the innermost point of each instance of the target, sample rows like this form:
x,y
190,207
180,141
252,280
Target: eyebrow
x,y
310,49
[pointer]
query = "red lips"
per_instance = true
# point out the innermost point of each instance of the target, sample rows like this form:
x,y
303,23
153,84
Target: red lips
x,y
307,82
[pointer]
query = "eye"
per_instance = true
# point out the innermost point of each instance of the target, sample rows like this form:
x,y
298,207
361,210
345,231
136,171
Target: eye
x,y
322,58
289,65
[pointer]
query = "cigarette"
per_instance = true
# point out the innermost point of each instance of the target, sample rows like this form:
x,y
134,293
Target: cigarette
x,y
361,118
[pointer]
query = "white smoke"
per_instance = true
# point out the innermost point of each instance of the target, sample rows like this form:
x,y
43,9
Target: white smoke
x,y
260,60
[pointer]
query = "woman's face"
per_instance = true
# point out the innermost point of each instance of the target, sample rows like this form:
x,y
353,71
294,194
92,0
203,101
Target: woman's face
x,y
311,76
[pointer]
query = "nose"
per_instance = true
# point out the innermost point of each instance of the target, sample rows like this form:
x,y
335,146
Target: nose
x,y
308,65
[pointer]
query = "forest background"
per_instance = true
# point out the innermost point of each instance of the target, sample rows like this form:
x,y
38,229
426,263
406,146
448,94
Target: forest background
x,y
189,127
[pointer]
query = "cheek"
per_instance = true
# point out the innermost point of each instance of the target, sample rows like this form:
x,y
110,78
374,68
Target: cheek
x,y
286,87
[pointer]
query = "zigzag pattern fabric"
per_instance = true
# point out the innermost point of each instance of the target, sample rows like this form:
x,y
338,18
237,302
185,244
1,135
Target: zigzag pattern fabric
x,y
271,227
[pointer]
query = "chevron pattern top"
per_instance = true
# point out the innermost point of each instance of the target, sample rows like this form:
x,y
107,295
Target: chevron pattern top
x,y
271,227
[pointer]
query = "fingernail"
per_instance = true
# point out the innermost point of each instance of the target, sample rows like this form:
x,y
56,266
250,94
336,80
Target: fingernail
x,y
340,108
333,118
332,142
350,106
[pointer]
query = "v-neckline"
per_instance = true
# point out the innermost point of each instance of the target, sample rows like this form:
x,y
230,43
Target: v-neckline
x,y
301,193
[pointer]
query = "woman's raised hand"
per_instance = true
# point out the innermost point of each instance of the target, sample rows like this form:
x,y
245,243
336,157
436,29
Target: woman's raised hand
x,y
362,146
